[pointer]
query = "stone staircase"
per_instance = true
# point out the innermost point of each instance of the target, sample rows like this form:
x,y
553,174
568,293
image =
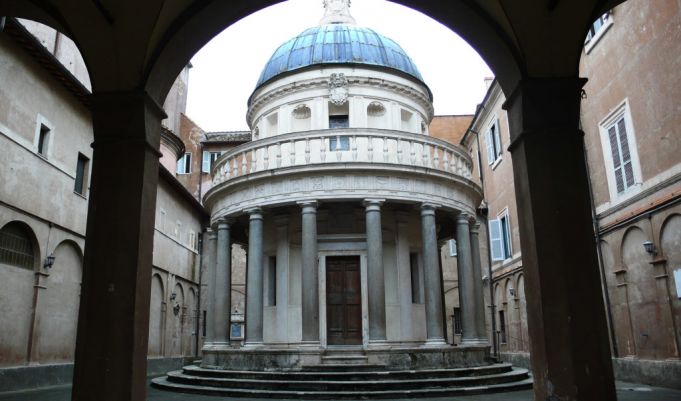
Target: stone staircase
x,y
346,377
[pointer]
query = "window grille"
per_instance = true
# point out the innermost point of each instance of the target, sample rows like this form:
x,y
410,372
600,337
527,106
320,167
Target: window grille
x,y
16,249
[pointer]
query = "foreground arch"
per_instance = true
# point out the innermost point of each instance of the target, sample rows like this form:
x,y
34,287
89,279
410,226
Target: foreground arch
x,y
134,50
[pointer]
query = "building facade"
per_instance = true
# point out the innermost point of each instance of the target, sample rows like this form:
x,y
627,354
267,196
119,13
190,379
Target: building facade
x,y
46,135
630,123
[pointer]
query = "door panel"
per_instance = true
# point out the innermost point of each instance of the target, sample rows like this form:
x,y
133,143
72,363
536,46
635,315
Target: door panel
x,y
343,300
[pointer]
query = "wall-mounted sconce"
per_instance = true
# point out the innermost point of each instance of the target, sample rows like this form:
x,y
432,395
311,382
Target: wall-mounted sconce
x,y
511,291
49,261
176,308
173,296
650,248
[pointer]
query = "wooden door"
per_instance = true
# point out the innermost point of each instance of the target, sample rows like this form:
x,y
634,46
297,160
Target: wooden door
x,y
343,300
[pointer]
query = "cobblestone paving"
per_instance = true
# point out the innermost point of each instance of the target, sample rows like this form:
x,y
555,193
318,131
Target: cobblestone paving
x,y
625,392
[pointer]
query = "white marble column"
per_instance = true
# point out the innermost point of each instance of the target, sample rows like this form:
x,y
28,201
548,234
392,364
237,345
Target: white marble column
x,y
375,273
310,274
223,284
432,276
209,258
480,329
254,277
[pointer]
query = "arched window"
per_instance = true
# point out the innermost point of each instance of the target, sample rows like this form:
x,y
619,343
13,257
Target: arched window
x,y
17,246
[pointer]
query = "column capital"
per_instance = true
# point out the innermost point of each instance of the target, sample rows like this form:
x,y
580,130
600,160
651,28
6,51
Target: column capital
x,y
223,223
308,206
211,234
254,213
373,204
428,208
463,218
475,228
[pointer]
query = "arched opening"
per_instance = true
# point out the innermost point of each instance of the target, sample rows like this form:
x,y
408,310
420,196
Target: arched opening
x,y
19,258
471,20
157,315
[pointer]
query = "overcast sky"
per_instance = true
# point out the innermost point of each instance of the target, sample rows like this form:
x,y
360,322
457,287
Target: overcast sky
x,y
226,70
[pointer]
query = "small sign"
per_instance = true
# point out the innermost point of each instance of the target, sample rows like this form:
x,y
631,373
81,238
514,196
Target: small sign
x,y
677,279
237,331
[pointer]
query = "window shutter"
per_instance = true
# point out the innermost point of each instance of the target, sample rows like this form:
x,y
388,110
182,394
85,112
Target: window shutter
x,y
180,165
496,240
490,147
616,160
452,247
626,153
497,138
205,162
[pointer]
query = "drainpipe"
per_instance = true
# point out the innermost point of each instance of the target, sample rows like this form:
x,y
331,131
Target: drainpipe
x,y
601,266
483,214
197,328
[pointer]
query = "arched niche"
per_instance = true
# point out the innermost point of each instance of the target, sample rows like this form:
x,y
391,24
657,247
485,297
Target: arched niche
x,y
57,308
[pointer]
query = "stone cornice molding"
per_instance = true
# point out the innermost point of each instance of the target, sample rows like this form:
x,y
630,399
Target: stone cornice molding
x,y
172,141
266,97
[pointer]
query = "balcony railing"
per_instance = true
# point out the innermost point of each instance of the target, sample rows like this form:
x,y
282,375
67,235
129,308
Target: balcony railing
x,y
349,146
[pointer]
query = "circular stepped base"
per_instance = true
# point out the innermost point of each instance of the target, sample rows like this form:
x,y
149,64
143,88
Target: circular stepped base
x,y
347,384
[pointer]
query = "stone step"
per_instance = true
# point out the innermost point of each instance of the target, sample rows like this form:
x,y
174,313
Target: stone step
x,y
354,372
352,359
373,383
344,394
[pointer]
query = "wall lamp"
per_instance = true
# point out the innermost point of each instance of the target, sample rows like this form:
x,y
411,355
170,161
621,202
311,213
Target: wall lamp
x,y
511,291
49,261
173,296
650,248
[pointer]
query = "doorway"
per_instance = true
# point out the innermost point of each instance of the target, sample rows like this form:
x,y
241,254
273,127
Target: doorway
x,y
343,300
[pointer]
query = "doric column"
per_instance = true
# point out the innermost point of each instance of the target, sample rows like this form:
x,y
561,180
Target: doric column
x,y
210,259
478,297
375,274
254,277
310,290
431,275
466,278
223,285
569,347
113,318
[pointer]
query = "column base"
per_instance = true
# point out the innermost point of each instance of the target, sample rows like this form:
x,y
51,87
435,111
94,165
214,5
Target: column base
x,y
475,342
435,342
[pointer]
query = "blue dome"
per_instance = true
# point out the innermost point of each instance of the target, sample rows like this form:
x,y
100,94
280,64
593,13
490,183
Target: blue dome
x,y
338,44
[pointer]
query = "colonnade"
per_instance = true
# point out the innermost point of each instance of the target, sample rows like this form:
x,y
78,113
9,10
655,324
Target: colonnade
x,y
469,273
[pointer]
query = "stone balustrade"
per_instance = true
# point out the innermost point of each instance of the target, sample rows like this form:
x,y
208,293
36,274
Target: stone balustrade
x,y
349,146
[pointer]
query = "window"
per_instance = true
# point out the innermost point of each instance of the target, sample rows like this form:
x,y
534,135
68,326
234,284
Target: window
x,y
272,281
43,140
16,246
620,151
416,280
81,174
339,143
456,318
192,240
493,140
208,160
184,165
178,228
502,327
341,121
500,238
452,247
596,31
161,222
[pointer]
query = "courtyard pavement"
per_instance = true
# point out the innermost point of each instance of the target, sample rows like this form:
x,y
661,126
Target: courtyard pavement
x,y
625,392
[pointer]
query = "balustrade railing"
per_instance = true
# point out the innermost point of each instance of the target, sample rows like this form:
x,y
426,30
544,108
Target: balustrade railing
x,y
354,145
